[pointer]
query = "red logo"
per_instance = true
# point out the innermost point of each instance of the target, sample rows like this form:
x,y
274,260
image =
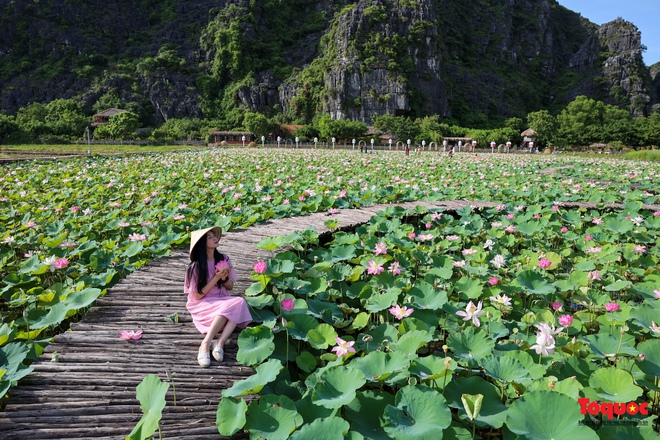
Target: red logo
x,y
609,409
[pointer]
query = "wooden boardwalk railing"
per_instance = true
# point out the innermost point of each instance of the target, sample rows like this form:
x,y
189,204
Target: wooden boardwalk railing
x,y
89,392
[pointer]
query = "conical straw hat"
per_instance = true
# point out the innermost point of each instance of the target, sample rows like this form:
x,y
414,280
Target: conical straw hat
x,y
195,236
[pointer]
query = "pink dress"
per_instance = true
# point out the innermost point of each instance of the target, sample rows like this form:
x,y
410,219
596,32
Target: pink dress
x,y
218,302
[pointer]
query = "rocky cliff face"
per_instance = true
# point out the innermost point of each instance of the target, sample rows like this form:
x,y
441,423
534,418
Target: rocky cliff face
x,y
473,60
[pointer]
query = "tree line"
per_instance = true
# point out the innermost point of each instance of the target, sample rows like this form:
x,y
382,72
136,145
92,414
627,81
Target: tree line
x,y
581,123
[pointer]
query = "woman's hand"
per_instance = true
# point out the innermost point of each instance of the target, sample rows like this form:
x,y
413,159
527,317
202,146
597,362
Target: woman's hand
x,y
221,274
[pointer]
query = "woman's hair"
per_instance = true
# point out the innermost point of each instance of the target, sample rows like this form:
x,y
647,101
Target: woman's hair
x,y
200,262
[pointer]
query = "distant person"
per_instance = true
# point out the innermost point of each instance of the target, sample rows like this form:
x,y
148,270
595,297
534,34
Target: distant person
x,y
451,151
407,150
209,278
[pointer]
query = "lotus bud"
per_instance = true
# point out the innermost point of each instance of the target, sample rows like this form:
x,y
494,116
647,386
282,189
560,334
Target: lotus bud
x,y
641,357
445,348
367,338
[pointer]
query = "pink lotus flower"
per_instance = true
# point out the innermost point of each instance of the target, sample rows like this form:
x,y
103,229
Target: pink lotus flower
x,y
510,216
260,267
594,276
555,208
612,307
179,217
426,237
287,305
493,281
656,213
137,237
557,305
285,202
222,264
428,226
75,209
333,211
565,320
130,335
544,263
564,230
510,229
412,236
472,312
343,347
501,299
597,221
380,249
656,293
461,263
588,237
61,263
375,268
639,249
394,268
400,312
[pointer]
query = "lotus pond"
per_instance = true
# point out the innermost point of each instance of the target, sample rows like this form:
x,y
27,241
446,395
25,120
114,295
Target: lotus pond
x,y
474,322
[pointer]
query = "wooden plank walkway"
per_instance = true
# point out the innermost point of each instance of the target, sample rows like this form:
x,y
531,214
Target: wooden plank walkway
x,y
90,391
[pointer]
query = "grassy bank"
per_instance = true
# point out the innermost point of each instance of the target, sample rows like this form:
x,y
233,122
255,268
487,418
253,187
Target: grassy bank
x,y
647,155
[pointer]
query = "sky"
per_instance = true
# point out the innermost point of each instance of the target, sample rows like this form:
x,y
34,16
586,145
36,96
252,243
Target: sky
x,y
645,14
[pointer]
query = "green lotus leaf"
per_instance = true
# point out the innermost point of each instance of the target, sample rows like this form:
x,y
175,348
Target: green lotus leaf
x,y
625,432
606,345
579,368
301,287
264,374
310,412
572,217
585,266
472,404
529,228
278,267
366,410
646,315
331,428
384,334
617,224
472,288
337,386
419,412
534,370
260,301
55,241
328,311
381,301
570,387
618,285
322,336
378,366
255,344
360,321
534,282
306,362
34,266
506,369
424,296
342,238
471,346
272,417
544,415
230,416
411,341
271,243
651,351
493,411
342,253
74,301
133,249
151,394
614,385
432,367
300,325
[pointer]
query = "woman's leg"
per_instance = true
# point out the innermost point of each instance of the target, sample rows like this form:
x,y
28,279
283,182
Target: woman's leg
x,y
226,333
214,329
